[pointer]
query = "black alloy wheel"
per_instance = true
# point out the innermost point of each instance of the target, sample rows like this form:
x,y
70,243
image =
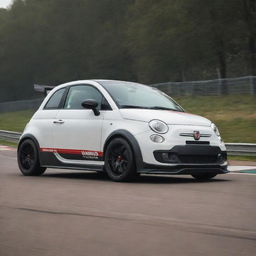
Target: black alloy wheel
x,y
119,160
28,159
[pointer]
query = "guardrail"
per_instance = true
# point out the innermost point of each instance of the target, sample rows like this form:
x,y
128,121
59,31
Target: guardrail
x,y
241,149
234,149
10,136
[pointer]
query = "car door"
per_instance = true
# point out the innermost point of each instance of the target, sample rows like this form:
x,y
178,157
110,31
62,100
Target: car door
x,y
44,120
77,131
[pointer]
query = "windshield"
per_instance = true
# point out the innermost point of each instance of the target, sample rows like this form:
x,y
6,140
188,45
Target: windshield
x,y
134,95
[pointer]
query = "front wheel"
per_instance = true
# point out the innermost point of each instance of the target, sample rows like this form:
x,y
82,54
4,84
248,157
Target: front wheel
x,y
119,160
28,159
204,176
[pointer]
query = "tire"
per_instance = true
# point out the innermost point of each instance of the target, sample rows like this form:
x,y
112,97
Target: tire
x,y
28,159
119,160
204,176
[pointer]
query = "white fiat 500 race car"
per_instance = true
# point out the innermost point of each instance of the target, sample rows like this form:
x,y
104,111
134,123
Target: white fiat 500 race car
x,y
121,128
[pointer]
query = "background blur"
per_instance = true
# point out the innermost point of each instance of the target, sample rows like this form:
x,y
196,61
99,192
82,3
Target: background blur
x,y
169,42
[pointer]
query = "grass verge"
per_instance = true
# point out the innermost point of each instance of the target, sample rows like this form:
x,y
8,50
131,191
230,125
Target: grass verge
x,y
242,158
235,115
15,121
8,143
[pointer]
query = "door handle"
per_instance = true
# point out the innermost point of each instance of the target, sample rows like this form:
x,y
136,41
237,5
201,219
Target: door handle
x,y
58,122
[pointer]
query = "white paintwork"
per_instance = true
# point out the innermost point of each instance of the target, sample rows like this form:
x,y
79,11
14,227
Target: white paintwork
x,y
79,127
85,131
168,116
41,126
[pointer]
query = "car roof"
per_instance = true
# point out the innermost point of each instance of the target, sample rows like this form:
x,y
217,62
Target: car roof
x,y
99,81
109,80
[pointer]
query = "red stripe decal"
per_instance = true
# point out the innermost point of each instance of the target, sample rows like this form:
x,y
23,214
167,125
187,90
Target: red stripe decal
x,y
72,151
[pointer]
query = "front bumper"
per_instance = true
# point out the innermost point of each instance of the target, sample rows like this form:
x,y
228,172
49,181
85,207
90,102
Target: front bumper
x,y
188,159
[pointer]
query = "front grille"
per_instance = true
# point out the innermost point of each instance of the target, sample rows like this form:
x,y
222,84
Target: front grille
x,y
192,154
196,142
198,159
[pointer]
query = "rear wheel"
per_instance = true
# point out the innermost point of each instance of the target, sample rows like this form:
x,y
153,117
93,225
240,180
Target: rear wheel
x,y
28,159
119,160
204,176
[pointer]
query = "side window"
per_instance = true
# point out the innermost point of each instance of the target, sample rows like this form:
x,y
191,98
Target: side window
x,y
54,101
79,93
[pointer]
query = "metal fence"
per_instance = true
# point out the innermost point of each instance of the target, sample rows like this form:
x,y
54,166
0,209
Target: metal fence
x,y
239,85
10,106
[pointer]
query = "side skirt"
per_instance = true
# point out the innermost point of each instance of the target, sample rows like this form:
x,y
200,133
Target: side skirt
x,y
84,167
49,160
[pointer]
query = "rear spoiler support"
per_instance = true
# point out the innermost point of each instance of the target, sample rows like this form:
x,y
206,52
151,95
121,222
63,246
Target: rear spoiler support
x,y
45,89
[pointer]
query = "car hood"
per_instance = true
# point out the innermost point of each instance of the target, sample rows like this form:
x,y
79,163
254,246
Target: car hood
x,y
168,116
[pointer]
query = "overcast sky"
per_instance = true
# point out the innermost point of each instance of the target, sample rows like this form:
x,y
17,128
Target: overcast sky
x,y
4,3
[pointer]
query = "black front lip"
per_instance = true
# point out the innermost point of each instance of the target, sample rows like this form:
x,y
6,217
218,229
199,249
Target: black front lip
x,y
184,169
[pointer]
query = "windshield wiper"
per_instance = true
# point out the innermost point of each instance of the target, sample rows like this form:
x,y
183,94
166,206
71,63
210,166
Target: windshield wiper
x,y
131,106
154,107
163,108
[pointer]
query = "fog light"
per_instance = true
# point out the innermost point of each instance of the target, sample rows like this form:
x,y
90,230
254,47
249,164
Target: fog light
x,y
157,138
168,157
165,157
173,158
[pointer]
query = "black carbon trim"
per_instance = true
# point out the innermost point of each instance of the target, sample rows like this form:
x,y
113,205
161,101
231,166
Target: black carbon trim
x,y
195,149
183,169
49,159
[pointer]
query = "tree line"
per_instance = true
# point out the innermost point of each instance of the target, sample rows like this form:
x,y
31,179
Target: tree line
x,y
149,41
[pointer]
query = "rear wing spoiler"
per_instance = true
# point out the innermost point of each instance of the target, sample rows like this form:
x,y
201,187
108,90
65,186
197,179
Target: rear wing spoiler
x,y
45,89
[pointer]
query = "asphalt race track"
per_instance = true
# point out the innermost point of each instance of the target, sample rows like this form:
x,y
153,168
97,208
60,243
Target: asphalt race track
x,y
79,213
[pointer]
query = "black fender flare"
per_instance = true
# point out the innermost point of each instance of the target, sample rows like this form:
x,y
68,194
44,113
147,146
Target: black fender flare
x,y
131,140
33,138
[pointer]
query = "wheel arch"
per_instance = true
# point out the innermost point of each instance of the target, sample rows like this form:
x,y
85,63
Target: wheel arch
x,y
131,141
31,137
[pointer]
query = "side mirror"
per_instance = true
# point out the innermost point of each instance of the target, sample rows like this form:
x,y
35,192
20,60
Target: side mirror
x,y
91,104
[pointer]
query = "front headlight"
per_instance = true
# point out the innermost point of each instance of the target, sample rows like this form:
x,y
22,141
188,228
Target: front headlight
x,y
216,130
158,126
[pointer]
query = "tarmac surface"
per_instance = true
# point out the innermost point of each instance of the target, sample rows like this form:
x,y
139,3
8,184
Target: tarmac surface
x,y
83,213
